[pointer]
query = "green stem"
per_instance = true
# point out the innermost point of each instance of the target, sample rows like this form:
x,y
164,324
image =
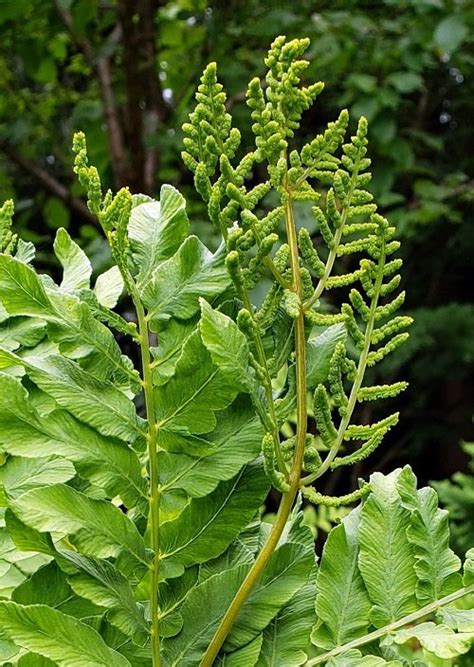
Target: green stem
x,y
262,359
327,270
251,578
333,251
358,379
396,625
300,350
288,498
267,260
155,494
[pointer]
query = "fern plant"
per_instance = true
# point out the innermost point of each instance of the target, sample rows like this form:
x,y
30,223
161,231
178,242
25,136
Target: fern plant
x,y
457,495
131,527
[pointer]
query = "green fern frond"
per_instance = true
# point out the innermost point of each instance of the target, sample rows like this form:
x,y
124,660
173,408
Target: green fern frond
x,y
377,392
324,319
335,501
322,413
8,239
274,475
364,432
88,175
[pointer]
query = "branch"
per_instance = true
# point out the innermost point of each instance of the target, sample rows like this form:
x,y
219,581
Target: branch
x,y
157,111
115,134
101,64
48,182
145,106
128,11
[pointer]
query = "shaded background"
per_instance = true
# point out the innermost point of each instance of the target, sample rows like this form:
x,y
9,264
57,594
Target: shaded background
x,y
125,72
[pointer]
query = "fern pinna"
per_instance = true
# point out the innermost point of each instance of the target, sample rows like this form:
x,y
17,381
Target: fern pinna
x,y
131,530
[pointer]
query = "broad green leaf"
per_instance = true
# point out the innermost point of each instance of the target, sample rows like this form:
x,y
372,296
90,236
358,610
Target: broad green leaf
x,y
439,639
108,287
101,583
342,602
405,82
286,638
170,344
80,335
10,577
96,527
106,462
234,442
34,660
457,494
21,331
46,586
19,474
56,636
227,346
172,594
21,292
25,251
202,611
138,656
77,269
278,339
71,323
49,586
386,560
207,525
156,230
187,403
97,403
8,650
286,572
457,619
4,315
242,550
247,656
15,565
319,352
468,576
436,565
450,33
28,539
354,658
176,285
172,504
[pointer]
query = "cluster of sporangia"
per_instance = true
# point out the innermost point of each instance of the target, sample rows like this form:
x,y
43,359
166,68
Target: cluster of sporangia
x,y
348,223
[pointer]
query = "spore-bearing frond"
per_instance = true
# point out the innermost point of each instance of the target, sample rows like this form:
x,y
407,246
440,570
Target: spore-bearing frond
x,y
361,318
333,172
8,239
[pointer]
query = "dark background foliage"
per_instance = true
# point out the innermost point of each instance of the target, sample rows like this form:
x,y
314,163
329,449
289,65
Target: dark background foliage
x,y
125,72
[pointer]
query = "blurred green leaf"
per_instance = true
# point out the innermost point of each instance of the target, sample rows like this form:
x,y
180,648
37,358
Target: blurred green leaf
x,y
450,33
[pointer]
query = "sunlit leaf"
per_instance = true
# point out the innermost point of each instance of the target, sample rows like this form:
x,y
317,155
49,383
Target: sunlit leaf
x,y
77,269
175,286
386,560
342,602
48,632
156,230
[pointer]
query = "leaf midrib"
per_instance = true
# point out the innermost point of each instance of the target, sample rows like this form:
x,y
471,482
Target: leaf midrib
x,y
190,399
211,519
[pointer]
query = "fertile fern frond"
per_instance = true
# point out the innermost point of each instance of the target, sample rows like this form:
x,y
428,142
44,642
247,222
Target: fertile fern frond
x,y
260,241
10,243
335,501
7,238
361,320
